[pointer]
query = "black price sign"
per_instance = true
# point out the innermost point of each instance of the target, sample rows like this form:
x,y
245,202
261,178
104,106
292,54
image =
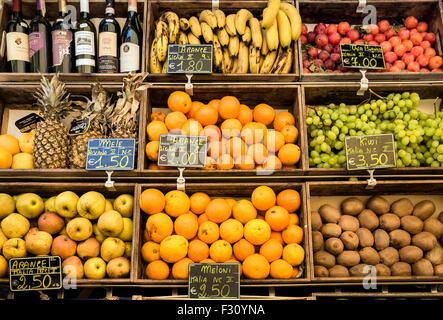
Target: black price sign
x,y
28,123
370,152
362,56
214,281
187,58
110,154
182,151
79,126
35,273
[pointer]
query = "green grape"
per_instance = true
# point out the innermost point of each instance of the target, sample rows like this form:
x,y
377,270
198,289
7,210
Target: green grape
x,y
390,104
435,164
405,141
440,149
338,145
314,154
327,122
317,160
352,132
435,144
345,130
309,120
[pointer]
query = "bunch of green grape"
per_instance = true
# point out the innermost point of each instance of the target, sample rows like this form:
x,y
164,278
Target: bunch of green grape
x,y
418,136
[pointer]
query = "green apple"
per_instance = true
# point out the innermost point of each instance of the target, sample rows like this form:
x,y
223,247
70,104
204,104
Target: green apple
x,y
30,205
126,234
7,205
95,268
110,223
124,204
15,225
112,248
66,204
50,204
91,205
79,229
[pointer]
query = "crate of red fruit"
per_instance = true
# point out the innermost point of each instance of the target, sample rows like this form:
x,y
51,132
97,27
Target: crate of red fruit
x,y
410,37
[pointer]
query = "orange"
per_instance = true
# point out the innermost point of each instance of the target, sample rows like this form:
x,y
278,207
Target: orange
x,y
277,217
231,230
220,251
294,254
195,106
207,261
192,128
208,232
22,160
214,103
158,115
225,162
243,249
231,202
180,269
289,154
150,251
177,203
10,143
159,226
186,225
273,140
271,250
272,163
173,248
158,270
152,150
232,260
231,128
253,132
294,272
216,149
293,219
256,266
292,234
199,201
264,113
198,250
212,132
237,147
263,198
218,210
26,142
175,120
229,107
179,101
257,231
206,115
290,133
146,235
280,269
152,201
282,119
244,162
289,199
276,235
258,152
155,129
211,164
202,218
245,114
244,211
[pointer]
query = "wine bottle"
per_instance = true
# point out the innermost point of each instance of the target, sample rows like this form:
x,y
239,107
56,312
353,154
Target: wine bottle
x,y
62,42
17,41
108,41
130,49
85,46
40,40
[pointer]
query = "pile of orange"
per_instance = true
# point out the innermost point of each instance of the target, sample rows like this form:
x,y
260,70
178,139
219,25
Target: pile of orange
x,y
262,233
16,153
238,136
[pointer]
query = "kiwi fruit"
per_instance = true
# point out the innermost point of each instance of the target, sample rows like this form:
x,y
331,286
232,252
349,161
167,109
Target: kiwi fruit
x,y
360,270
317,241
423,267
438,270
325,259
389,222
434,226
320,271
378,204
329,214
424,209
402,207
349,223
365,237
381,239
338,271
369,256
350,240
316,221
331,230
382,270
389,256
368,219
435,256
399,238
410,254
412,224
352,206
424,240
334,246
401,269
348,258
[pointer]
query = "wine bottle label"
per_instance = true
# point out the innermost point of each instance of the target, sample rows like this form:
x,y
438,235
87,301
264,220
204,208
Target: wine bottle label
x,y
36,42
84,43
107,52
129,57
17,44
110,10
61,41
85,62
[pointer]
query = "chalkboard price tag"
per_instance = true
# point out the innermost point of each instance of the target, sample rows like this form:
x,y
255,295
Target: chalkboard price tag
x,y
28,123
79,126
187,58
370,152
214,281
362,56
35,273
110,154
182,151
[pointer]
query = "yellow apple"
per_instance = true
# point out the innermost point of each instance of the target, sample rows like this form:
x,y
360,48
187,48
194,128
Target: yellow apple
x,y
128,250
50,222
66,204
3,239
91,205
112,248
50,204
7,205
30,205
98,234
110,223
26,142
73,267
15,225
95,268
3,267
126,234
22,160
38,242
118,267
79,229
89,248
108,205
124,204
14,248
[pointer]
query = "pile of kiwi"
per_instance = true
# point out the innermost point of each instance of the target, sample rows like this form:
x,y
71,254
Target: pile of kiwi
x,y
398,239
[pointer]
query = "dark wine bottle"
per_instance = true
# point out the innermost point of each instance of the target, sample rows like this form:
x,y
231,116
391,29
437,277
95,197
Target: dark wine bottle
x,y
40,40
17,41
108,41
85,38
62,42
130,49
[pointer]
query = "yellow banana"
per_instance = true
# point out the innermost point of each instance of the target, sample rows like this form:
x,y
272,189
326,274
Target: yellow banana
x,y
161,33
154,63
264,46
218,54
270,13
182,38
194,24
254,59
207,33
192,39
288,64
256,33
272,36
165,67
284,29
279,62
184,24
262,59
228,62
243,57
234,44
234,65
268,62
246,37
221,18
294,18
208,17
230,25
223,36
242,16
160,28
173,24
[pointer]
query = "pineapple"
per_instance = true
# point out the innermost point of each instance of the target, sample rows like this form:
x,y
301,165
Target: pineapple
x,y
51,141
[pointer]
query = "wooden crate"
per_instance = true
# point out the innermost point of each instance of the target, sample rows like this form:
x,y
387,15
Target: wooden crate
x,y
16,102
97,13
281,97
188,8
335,11
224,190
323,94
319,193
